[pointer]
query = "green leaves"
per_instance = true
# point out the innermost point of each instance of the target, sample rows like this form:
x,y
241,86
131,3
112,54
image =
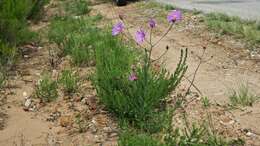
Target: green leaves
x,y
46,89
69,81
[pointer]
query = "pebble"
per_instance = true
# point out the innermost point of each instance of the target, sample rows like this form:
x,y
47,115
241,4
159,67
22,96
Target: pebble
x,y
27,103
250,134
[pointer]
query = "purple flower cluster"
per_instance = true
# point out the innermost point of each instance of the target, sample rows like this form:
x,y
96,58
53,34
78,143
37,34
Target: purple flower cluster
x,y
140,36
133,77
174,16
152,23
118,28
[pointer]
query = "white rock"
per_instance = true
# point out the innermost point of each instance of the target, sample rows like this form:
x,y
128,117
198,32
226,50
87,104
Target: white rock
x,y
25,95
27,103
250,134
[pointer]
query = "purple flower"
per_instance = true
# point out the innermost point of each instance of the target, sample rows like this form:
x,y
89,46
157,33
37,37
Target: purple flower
x,y
174,16
133,77
152,23
118,28
140,36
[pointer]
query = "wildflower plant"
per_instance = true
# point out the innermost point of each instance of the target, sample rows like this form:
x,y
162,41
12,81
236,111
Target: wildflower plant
x,y
133,90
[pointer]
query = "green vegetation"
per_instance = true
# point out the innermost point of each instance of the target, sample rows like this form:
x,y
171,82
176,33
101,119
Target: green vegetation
x,y
235,26
69,80
8,54
79,47
14,27
75,37
46,89
2,79
77,7
205,102
13,22
37,10
242,96
135,139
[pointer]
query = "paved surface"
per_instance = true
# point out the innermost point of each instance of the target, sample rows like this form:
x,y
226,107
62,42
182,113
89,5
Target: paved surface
x,y
245,9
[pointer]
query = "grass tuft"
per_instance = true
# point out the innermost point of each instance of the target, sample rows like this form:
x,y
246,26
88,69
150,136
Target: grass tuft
x,y
224,24
77,7
46,89
69,80
243,96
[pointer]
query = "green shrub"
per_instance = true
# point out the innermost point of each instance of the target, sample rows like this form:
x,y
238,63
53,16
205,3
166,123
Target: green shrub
x,y
69,81
77,7
46,89
37,11
138,100
13,23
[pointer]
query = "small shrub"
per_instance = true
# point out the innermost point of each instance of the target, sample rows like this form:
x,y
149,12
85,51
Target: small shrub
x,y
77,7
69,81
242,96
138,91
136,100
46,89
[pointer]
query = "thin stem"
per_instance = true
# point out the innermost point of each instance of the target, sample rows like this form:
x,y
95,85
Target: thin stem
x,y
196,70
160,56
168,30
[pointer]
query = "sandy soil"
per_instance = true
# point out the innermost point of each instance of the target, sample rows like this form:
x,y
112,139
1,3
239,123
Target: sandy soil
x,y
68,121
54,124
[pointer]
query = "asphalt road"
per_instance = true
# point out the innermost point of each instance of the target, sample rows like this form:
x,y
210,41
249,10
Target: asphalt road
x,y
245,9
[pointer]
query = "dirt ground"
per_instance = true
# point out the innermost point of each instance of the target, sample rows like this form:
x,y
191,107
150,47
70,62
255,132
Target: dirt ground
x,y
228,64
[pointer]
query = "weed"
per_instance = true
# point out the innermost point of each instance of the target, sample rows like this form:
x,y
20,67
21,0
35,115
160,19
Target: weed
x,y
243,96
196,135
69,81
205,102
77,7
137,139
61,28
79,47
81,122
46,89
234,26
